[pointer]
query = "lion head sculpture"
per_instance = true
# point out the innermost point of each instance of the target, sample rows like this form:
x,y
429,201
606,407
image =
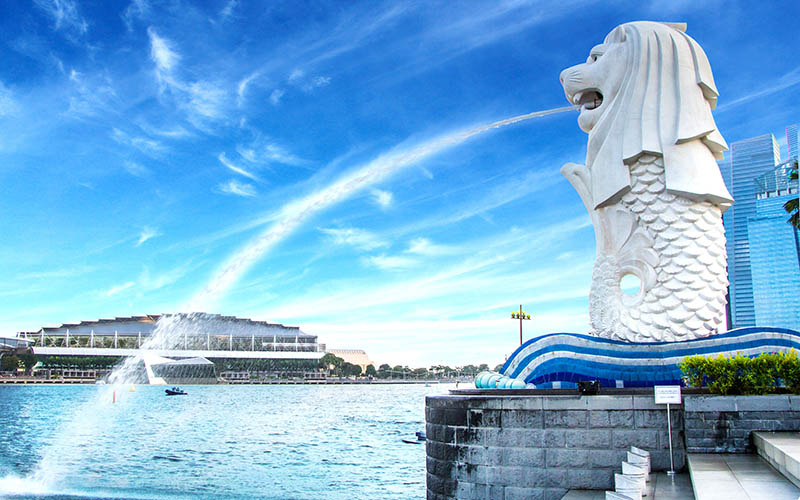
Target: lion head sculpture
x,y
648,88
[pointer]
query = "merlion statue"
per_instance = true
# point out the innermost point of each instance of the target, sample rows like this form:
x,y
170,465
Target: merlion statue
x,y
651,184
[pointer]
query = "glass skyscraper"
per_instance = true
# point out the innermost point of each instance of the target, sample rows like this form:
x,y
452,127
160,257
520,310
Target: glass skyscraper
x,y
763,249
775,252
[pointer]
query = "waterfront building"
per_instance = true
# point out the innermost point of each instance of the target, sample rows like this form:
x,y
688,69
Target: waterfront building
x,y
228,342
353,356
762,272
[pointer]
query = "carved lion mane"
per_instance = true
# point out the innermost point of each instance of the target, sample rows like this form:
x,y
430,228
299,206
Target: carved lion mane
x,y
660,104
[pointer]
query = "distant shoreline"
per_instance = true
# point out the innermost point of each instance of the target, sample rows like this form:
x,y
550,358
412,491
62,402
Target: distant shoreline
x,y
36,381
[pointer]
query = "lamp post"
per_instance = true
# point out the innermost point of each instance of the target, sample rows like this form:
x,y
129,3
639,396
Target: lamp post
x,y
520,315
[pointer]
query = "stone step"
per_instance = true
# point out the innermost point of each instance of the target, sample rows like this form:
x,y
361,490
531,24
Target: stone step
x,y
721,476
782,451
661,487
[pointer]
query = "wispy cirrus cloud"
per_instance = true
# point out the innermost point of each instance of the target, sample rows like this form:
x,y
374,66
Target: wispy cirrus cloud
x,y
162,53
227,11
391,262
264,150
275,96
241,88
146,234
92,96
236,168
144,144
8,105
66,272
114,290
65,15
137,9
203,101
424,246
237,188
382,198
356,237
136,169
786,81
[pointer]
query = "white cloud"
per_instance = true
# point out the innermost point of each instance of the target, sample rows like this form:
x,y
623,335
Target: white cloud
x,y
65,14
295,75
143,144
119,288
391,262
423,246
316,82
68,272
237,188
239,170
92,95
149,282
786,81
8,105
146,234
136,169
227,11
265,151
242,87
382,198
206,99
136,9
356,237
161,53
275,96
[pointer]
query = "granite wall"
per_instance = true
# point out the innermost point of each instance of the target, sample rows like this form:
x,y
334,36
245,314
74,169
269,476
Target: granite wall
x,y
724,424
538,447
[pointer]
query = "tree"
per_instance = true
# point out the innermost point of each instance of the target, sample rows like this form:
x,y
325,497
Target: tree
x,y
351,370
9,363
331,362
384,371
371,371
792,206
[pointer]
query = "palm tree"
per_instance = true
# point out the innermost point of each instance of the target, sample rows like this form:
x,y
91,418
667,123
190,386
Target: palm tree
x,y
792,206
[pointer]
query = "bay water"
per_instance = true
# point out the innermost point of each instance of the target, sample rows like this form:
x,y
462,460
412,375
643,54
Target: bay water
x,y
245,441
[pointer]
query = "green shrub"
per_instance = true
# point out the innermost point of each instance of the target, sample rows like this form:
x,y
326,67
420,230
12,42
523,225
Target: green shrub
x,y
740,374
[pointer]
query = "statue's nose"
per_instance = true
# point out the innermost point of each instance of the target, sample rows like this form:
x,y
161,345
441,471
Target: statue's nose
x,y
563,75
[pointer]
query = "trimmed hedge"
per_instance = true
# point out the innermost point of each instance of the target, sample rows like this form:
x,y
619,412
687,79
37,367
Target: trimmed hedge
x,y
763,374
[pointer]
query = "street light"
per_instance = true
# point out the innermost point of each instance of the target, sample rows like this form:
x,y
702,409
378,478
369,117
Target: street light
x,y
520,315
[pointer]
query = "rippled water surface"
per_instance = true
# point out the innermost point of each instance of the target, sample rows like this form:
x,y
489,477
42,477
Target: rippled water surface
x,y
275,442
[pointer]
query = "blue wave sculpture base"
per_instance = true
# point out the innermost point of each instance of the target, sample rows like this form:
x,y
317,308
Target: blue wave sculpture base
x,y
560,360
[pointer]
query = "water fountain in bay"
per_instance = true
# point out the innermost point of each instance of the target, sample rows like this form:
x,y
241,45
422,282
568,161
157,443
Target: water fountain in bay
x,y
84,422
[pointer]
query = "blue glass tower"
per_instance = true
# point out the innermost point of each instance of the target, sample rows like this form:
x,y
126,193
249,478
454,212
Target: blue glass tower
x,y
775,252
749,159
763,250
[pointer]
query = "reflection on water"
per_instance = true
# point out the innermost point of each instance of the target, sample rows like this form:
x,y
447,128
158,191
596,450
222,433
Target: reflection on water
x,y
278,442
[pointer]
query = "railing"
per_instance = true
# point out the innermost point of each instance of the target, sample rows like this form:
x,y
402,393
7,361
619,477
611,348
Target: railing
x,y
204,343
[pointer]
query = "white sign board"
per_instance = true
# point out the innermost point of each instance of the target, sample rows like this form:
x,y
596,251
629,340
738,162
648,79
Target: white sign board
x,y
668,394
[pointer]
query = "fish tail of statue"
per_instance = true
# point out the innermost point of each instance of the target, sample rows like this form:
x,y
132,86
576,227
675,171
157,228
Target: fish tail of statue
x,y
673,244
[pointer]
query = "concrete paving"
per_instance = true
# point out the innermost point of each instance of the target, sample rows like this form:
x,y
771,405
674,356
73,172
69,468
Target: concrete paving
x,y
737,476
660,487
782,451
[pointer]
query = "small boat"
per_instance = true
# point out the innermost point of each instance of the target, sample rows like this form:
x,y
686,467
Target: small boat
x,y
175,391
420,439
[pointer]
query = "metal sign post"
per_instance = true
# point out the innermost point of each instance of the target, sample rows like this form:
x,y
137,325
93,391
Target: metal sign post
x,y
668,394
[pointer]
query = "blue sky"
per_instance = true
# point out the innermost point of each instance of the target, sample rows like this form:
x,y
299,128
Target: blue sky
x,y
146,147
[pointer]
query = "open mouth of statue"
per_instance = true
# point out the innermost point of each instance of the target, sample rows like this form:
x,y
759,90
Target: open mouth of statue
x,y
588,99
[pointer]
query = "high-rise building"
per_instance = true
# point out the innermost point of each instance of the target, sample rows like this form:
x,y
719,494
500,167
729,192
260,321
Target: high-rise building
x,y
775,252
760,273
791,141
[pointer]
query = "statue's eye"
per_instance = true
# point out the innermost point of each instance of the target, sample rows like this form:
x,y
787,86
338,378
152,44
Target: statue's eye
x,y
594,57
